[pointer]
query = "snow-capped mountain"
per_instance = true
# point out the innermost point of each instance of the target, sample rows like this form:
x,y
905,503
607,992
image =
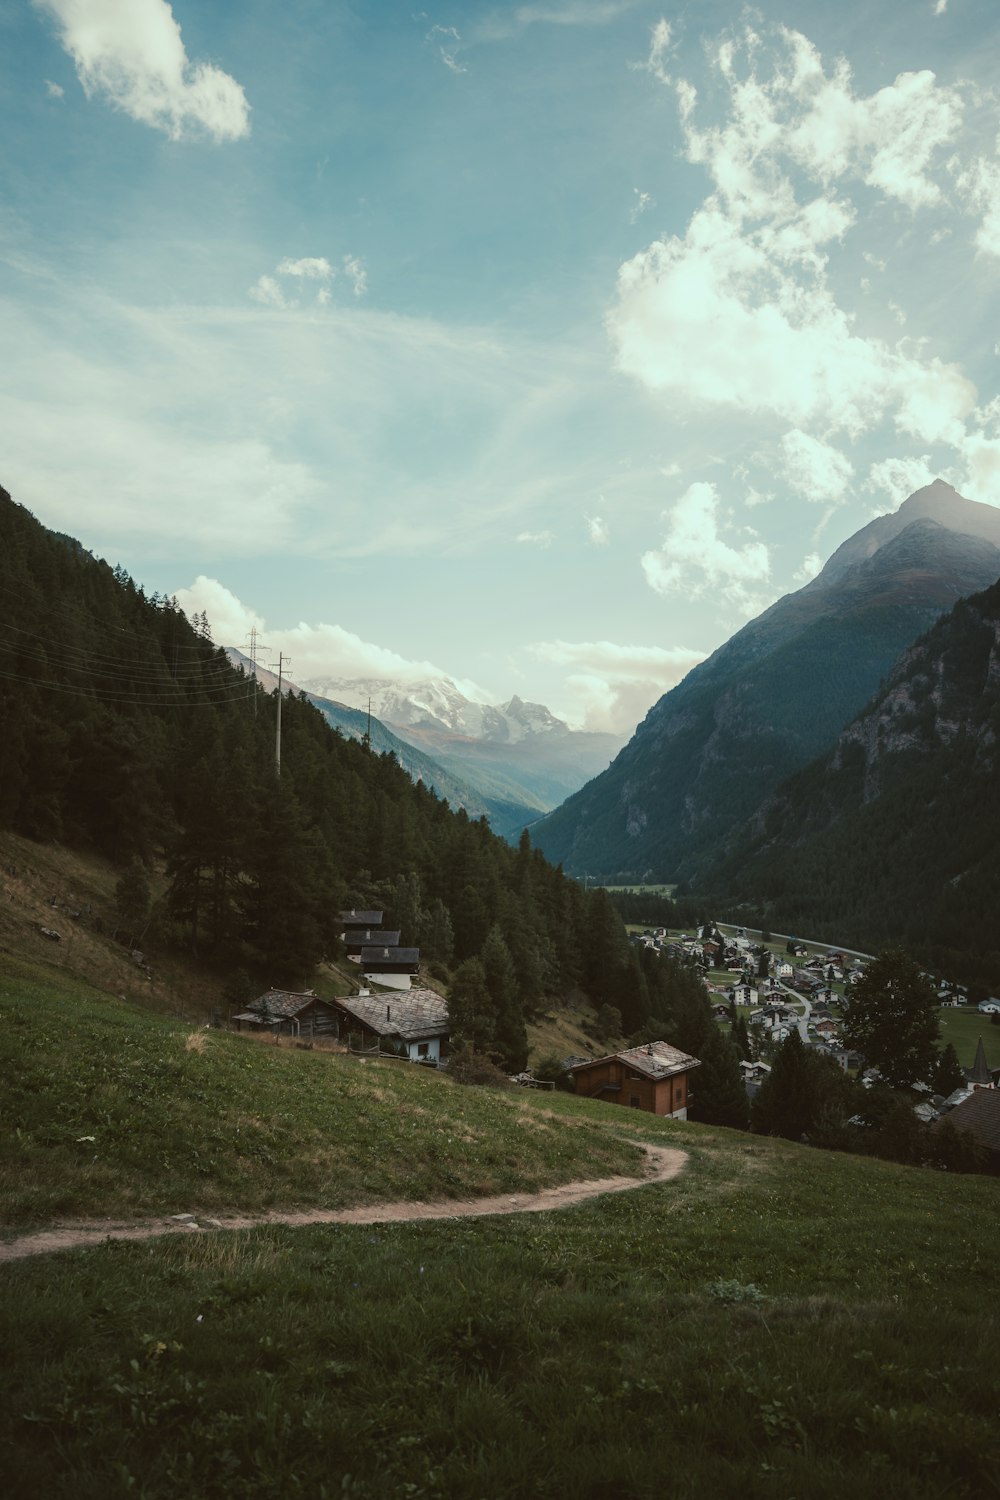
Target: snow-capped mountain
x,y
438,703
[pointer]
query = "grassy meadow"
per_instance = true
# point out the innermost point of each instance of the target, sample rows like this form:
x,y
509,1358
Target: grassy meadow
x,y
963,1028
776,1322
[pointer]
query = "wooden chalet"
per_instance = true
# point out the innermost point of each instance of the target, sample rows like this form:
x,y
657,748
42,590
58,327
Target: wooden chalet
x,y
654,1077
290,1013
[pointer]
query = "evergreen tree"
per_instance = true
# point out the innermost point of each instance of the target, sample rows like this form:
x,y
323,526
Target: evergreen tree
x,y
472,1015
892,1020
803,1092
132,902
948,1074
719,1095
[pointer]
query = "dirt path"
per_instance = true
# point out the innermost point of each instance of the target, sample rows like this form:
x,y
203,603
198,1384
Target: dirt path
x,y
662,1164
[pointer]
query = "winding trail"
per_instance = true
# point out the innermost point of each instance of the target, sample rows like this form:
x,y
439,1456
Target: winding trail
x,y
662,1164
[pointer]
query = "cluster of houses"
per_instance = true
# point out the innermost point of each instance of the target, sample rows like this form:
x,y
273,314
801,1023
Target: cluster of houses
x,y
409,1021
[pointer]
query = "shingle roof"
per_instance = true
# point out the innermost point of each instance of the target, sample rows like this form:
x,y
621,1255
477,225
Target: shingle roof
x,y
372,956
655,1059
410,1014
980,1116
354,918
278,1005
372,937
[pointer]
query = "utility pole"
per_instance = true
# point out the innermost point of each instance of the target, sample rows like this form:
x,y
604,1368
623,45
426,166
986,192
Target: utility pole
x,y
253,646
283,662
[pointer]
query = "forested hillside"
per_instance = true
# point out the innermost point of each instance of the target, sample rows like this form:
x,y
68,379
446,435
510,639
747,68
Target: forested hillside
x,y
126,731
894,835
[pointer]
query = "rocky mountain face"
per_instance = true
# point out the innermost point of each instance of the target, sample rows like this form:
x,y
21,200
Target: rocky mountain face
x,y
774,696
894,834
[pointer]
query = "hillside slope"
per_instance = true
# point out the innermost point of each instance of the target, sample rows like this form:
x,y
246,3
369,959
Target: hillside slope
x,y
773,696
894,834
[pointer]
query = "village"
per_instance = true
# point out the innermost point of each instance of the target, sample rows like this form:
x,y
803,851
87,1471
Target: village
x,y
761,990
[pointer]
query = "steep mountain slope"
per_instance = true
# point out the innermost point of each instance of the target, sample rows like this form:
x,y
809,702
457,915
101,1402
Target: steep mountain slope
x,y
894,834
774,695
507,808
517,754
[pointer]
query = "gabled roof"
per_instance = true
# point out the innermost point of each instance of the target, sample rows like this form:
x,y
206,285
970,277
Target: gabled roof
x,y
980,1116
414,1015
355,918
373,937
278,1005
655,1059
371,957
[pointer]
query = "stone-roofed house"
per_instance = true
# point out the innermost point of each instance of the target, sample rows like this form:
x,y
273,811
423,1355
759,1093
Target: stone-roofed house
x,y
418,1019
653,1077
290,1013
979,1114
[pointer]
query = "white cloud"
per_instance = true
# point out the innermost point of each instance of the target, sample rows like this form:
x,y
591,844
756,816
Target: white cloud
x,y
230,621
642,202
693,557
448,49
133,54
940,6
54,90
270,292
660,46
266,291
814,469
314,267
319,652
899,477
597,531
811,565
356,273
978,186
611,687
739,312
536,538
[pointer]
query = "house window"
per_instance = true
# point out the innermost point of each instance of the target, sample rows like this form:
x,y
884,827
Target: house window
x,y
634,1101
678,1092
422,1049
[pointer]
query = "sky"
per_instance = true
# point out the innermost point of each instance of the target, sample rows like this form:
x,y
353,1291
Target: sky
x,y
538,346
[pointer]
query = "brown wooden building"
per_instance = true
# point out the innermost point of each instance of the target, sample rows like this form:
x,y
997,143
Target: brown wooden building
x,y
654,1077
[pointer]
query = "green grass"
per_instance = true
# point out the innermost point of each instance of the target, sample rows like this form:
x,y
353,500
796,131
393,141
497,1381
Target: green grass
x,y
777,1322
108,1109
963,1028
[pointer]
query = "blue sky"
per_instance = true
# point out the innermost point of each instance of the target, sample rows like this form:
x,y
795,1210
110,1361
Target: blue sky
x,y
537,345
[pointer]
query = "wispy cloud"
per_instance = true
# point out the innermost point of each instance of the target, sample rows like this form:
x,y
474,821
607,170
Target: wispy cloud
x,y
536,538
54,90
133,55
597,531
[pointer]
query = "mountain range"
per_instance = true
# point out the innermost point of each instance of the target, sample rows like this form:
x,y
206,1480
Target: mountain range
x,y
508,762
774,696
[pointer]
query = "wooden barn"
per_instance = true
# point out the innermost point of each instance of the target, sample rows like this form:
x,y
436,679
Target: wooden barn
x,y
288,1013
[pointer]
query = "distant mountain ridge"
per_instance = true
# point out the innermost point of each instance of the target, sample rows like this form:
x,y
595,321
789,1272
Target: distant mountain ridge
x,y
775,695
518,757
506,809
